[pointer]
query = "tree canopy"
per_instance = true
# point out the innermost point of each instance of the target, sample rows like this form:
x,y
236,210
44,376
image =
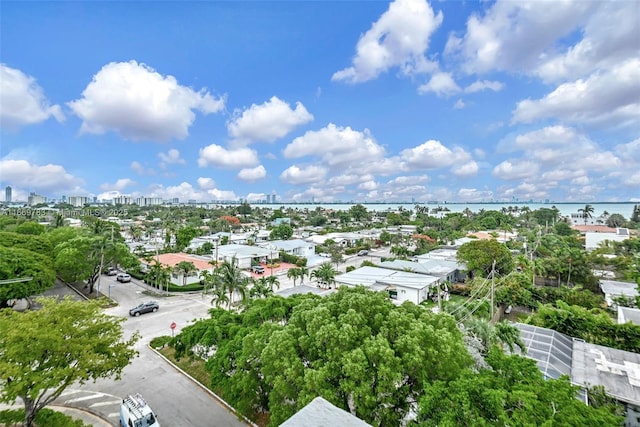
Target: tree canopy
x,y
480,254
68,342
17,263
511,392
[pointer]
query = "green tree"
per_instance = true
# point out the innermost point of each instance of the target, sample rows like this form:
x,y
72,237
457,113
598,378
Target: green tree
x,y
586,212
325,273
69,342
616,220
293,274
512,392
184,235
31,227
479,256
358,212
230,277
185,268
281,232
17,265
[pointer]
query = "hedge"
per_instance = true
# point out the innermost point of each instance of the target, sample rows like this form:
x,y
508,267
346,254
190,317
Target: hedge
x,y
44,418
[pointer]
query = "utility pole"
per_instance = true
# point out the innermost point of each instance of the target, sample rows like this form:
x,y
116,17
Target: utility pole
x,y
493,286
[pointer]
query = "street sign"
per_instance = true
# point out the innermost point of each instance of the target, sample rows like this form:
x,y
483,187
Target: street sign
x,y
173,325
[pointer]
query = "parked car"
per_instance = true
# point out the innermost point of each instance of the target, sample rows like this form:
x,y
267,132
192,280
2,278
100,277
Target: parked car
x,y
363,252
147,307
123,278
258,269
111,271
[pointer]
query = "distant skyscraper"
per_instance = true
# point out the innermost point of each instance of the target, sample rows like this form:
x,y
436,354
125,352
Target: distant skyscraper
x,y
7,194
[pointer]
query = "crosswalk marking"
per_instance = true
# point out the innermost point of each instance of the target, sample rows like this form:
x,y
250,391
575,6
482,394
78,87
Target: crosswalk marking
x,y
96,395
68,392
107,403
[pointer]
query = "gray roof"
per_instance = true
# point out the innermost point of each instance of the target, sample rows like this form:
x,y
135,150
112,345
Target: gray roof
x,y
286,245
321,413
587,365
617,371
614,287
551,350
629,315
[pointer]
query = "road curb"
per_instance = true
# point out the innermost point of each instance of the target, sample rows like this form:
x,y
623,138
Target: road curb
x,y
214,395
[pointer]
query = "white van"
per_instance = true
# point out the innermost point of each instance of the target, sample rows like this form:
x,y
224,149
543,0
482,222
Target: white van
x,y
135,412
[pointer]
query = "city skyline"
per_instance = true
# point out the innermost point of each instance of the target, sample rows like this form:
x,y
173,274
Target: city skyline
x,y
344,101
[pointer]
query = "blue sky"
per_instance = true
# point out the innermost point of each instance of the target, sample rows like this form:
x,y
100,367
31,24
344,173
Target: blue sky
x,y
327,101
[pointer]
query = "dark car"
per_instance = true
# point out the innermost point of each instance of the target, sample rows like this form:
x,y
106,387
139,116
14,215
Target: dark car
x,y
123,278
363,252
147,307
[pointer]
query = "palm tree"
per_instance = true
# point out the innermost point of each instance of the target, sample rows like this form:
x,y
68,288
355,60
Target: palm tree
x,y
186,268
273,282
325,273
232,278
293,273
586,212
304,271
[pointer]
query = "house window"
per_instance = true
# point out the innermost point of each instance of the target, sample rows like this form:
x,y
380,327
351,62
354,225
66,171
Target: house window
x,y
393,294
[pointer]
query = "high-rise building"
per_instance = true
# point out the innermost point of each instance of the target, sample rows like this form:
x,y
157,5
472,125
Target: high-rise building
x,y
7,194
36,199
78,201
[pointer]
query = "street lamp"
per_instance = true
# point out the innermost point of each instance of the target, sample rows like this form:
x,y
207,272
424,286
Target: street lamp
x,y
216,240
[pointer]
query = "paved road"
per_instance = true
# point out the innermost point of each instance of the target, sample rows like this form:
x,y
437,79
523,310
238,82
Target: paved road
x,y
176,399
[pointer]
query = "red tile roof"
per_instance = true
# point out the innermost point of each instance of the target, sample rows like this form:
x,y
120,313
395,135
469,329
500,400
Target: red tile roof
x,y
174,259
594,229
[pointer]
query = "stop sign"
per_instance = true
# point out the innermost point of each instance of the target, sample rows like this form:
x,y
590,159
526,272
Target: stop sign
x,y
173,325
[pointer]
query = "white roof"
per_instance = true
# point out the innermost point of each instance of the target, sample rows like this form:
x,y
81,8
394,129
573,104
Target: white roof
x,y
243,251
368,276
616,288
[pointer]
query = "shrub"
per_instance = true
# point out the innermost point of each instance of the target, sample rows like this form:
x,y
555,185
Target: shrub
x,y
160,342
45,418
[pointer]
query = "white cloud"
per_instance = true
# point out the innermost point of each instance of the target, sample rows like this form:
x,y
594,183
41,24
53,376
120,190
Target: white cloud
x,y
409,180
611,98
138,168
267,122
433,154
206,183
399,38
22,100
629,151
171,157
119,185
296,175
610,35
138,103
474,195
515,169
336,146
185,191
252,174
516,35
442,84
45,179
236,158
368,185
469,168
481,85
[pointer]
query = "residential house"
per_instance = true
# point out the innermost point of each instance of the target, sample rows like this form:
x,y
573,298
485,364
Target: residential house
x,y
593,240
244,255
173,259
628,314
295,247
587,365
446,270
400,285
613,289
